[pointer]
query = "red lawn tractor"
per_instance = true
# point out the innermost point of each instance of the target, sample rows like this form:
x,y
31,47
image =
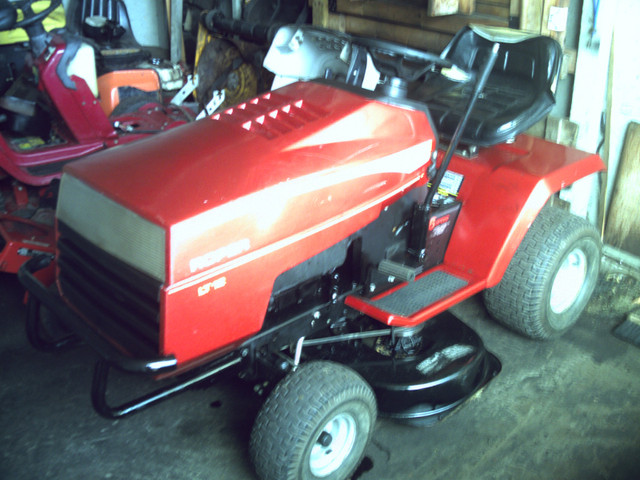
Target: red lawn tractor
x,y
313,239
55,111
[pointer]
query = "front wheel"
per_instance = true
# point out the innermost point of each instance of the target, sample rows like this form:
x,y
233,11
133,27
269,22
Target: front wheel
x,y
315,425
550,278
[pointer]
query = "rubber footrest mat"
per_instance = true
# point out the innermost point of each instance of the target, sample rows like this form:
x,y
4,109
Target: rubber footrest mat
x,y
629,330
419,294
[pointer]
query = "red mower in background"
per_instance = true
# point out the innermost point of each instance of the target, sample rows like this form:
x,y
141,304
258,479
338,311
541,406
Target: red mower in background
x,y
56,111
312,240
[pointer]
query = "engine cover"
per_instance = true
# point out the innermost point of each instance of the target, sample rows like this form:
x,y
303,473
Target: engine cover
x,y
248,193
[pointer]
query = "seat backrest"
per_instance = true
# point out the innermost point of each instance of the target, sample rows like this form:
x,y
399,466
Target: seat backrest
x,y
518,92
523,55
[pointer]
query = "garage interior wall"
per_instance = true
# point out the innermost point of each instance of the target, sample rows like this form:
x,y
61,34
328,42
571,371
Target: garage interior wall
x,y
605,93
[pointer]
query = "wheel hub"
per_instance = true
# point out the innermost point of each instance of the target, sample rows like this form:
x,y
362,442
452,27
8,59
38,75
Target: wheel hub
x,y
333,445
569,281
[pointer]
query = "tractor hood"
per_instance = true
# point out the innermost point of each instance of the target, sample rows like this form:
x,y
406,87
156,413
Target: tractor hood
x,y
288,162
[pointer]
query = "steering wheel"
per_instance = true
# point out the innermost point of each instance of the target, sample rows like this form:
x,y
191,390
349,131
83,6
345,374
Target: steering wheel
x,y
395,60
29,17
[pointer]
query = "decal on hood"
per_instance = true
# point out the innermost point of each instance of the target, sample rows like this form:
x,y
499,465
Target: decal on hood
x,y
211,258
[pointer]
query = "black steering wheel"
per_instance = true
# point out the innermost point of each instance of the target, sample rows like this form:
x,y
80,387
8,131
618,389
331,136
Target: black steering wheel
x,y
395,60
29,16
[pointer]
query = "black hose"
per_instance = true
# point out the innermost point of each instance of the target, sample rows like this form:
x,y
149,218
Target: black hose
x,y
259,33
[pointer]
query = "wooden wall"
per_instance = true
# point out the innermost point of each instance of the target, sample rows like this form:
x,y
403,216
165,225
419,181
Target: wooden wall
x,y
431,24
404,22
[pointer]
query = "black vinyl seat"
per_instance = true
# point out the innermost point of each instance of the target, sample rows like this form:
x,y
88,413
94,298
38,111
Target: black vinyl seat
x,y
518,92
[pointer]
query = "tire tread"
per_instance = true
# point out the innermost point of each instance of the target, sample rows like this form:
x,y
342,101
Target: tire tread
x,y
518,300
276,434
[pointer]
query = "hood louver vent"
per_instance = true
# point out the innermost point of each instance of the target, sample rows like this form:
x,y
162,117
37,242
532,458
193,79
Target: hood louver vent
x,y
271,115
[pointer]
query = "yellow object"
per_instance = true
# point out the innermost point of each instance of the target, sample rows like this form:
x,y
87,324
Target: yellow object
x,y
214,57
56,19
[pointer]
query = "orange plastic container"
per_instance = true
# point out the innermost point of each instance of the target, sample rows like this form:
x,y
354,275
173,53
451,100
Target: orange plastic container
x,y
143,79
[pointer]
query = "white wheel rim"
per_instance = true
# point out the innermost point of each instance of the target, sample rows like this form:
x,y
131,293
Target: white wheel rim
x,y
569,281
333,445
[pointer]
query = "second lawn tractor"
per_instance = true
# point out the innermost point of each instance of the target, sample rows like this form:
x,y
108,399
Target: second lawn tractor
x,y
313,238
64,104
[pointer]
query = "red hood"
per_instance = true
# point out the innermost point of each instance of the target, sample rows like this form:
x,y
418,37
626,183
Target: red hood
x,y
306,143
175,175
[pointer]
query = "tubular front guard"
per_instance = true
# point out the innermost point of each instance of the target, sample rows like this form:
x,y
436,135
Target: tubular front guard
x,y
39,294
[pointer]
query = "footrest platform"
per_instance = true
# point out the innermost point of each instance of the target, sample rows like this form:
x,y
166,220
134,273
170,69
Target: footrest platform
x,y
412,303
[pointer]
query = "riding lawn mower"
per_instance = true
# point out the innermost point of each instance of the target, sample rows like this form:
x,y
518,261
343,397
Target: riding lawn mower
x,y
313,238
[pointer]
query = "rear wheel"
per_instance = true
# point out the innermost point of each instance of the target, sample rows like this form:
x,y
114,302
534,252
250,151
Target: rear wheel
x,y
550,278
316,424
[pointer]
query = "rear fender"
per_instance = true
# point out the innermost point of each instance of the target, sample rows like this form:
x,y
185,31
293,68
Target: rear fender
x,y
503,190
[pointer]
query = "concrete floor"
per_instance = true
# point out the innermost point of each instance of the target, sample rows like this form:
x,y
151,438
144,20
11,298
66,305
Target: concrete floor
x,y
566,409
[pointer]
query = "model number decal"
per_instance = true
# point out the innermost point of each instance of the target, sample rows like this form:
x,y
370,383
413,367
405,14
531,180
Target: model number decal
x,y
215,256
450,185
214,285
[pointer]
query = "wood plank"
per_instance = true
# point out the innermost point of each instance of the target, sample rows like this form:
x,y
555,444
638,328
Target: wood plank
x,y
379,9
415,37
442,7
624,78
320,13
466,7
515,8
623,222
531,15
492,9
497,3
604,194
550,5
415,17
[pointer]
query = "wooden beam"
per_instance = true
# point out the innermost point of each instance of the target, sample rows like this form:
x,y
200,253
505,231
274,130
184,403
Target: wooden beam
x,y
409,36
393,12
623,224
514,8
466,7
551,26
411,26
399,14
496,8
320,13
442,7
531,15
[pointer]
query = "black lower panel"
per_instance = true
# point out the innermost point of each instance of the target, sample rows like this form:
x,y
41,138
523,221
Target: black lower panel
x,y
428,374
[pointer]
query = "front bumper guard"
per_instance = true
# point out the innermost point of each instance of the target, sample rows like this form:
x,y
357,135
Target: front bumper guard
x,y
40,295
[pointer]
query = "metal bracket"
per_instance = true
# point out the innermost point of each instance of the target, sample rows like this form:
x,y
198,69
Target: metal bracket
x,y
34,331
215,102
186,90
296,360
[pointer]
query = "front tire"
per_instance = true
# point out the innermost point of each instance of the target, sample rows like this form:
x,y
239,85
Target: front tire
x,y
315,425
550,278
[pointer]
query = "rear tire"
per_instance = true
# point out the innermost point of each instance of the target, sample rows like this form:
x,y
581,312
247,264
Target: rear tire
x,y
315,424
550,278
